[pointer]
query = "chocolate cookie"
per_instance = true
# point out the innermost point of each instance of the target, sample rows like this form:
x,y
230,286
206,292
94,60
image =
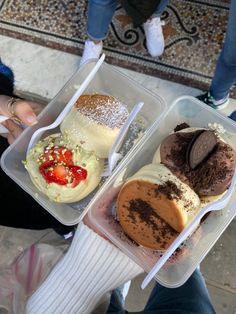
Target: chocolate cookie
x,y
200,147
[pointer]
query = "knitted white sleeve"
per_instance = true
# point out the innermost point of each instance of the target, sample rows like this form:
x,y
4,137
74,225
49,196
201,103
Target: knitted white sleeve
x,y
91,267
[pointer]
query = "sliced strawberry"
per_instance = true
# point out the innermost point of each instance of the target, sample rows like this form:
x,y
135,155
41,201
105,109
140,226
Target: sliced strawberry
x,y
58,155
46,165
44,168
58,167
56,174
78,174
59,175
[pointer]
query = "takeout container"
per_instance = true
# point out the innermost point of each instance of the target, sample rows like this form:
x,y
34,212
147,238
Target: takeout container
x,y
107,80
102,208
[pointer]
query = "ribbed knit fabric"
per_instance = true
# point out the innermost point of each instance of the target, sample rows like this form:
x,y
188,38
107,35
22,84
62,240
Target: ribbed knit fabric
x,y
91,267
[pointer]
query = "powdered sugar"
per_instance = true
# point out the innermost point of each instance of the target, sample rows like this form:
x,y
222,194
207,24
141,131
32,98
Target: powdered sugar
x,y
105,110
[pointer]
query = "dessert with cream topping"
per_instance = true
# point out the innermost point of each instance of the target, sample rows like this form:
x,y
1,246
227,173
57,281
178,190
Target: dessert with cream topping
x,y
65,172
190,168
68,166
153,206
94,122
212,176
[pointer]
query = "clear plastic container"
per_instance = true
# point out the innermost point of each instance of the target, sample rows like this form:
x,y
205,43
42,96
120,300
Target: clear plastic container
x,y
109,81
101,210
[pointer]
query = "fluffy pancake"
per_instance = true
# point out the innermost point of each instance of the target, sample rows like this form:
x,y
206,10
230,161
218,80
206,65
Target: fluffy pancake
x,y
190,168
94,122
153,206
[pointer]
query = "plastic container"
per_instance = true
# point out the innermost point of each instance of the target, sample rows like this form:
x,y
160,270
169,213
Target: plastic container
x,y
109,81
183,262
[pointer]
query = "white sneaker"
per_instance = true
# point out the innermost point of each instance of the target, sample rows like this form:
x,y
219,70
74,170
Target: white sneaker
x,y
154,36
91,51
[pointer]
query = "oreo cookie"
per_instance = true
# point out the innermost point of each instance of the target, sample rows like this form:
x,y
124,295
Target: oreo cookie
x,y
200,147
190,144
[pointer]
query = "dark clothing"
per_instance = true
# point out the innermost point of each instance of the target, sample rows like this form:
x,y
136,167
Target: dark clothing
x,y
140,10
6,80
20,209
191,298
6,87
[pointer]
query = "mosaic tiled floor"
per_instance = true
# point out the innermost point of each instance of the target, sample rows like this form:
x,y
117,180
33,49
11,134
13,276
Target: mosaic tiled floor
x,y
194,32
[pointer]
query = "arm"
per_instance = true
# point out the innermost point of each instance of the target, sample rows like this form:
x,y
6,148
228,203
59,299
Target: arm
x,y
91,267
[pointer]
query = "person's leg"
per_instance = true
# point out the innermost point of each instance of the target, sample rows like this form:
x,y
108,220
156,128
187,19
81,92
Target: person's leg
x,y
192,297
225,72
116,303
153,31
117,300
161,8
100,13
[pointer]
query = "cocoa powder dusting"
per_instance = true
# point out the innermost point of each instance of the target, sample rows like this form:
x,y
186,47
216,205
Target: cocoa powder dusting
x,y
147,214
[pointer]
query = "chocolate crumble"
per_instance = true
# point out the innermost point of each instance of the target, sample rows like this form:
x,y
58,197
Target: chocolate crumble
x,y
146,214
181,126
170,190
207,173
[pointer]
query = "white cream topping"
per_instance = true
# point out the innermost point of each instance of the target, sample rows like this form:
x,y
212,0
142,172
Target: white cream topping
x,y
189,202
65,193
89,134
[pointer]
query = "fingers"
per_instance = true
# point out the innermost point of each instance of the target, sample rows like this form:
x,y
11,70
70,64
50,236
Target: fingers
x,y
14,130
37,107
25,112
18,110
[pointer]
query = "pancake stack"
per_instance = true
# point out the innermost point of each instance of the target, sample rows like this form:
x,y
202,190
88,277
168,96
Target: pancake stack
x,y
190,168
94,122
67,166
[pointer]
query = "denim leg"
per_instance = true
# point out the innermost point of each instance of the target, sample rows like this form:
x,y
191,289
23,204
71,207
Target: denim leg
x,y
191,298
116,303
225,73
161,8
100,13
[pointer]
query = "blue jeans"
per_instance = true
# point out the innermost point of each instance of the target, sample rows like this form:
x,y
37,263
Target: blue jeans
x,y
225,73
190,298
100,14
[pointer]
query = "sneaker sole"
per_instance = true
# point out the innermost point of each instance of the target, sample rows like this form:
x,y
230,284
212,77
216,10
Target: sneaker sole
x,y
223,106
